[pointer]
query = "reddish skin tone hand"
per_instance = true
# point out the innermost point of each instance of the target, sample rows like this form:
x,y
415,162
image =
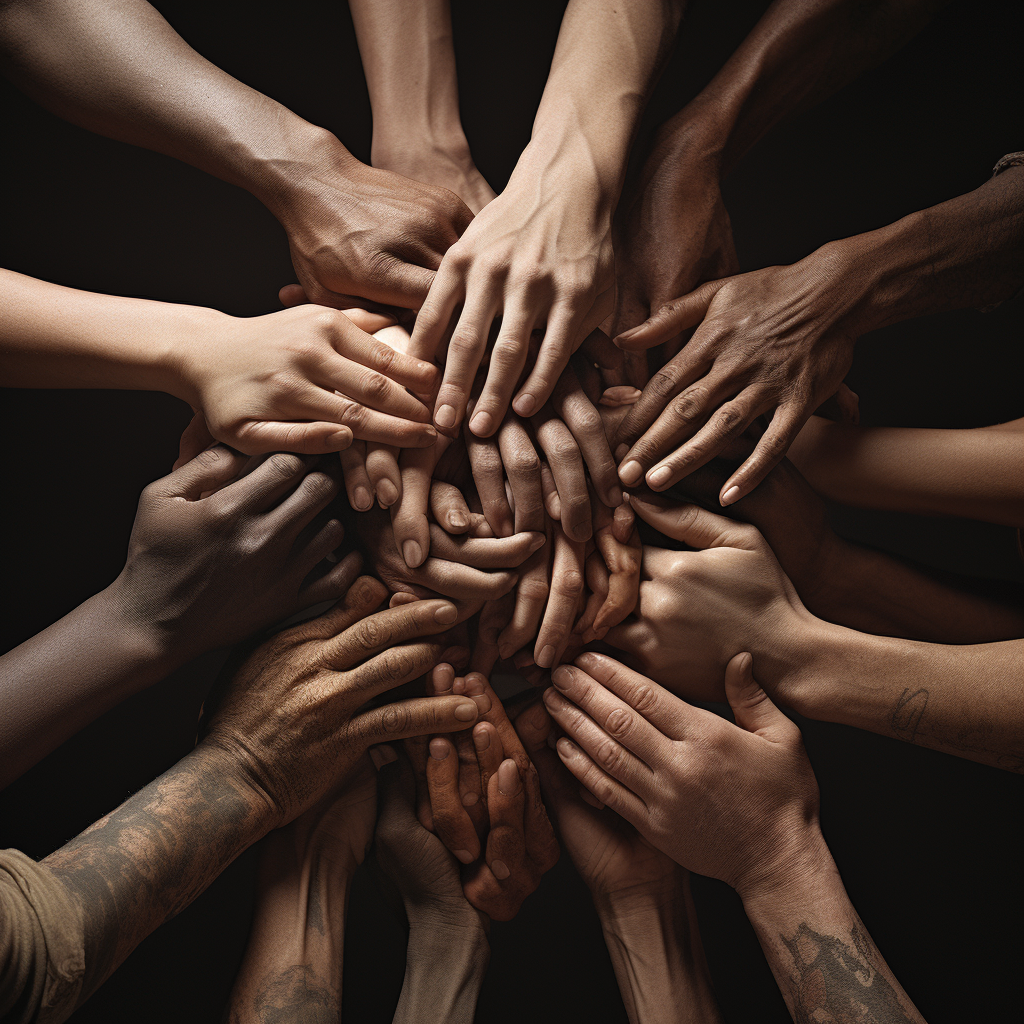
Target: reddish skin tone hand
x,y
486,805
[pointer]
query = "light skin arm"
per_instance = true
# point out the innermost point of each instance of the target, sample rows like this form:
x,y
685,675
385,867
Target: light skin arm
x,y
970,473
541,253
119,69
409,61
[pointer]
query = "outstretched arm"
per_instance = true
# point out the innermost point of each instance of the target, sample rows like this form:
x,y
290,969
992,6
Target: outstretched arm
x,y
118,68
409,61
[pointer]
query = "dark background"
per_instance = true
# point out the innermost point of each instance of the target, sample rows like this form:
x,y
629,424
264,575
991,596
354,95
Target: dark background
x,y
928,844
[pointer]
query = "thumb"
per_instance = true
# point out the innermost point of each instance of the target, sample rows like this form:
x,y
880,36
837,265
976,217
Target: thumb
x,y
208,471
421,716
691,524
195,438
292,295
260,436
675,316
404,285
752,707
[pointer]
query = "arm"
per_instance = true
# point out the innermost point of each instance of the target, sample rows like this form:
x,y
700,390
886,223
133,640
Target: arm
x,y
541,253
661,768
965,700
409,61
202,572
965,252
119,69
970,473
305,379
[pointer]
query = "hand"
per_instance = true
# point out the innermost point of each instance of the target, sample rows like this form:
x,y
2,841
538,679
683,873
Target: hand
x,y
736,802
534,257
445,168
675,232
357,232
699,608
217,553
291,716
610,855
778,341
485,803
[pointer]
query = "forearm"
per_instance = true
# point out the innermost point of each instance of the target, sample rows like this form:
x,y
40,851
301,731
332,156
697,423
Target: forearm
x,y
69,674
799,53
409,61
449,994
293,961
657,955
970,473
57,337
148,860
821,954
605,64
119,69
964,700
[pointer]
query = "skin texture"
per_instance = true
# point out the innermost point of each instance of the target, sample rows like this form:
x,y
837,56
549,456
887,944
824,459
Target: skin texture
x,y
119,69
442,922
409,61
780,340
731,593
641,895
222,547
291,709
532,256
737,802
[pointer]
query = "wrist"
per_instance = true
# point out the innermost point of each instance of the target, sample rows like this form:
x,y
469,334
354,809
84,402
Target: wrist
x,y
567,172
137,632
634,907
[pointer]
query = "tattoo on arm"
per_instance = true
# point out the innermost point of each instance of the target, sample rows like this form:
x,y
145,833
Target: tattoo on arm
x,y
907,713
295,996
844,982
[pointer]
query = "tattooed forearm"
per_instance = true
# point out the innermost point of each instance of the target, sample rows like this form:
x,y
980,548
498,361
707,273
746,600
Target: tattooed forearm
x,y
841,980
149,859
907,713
295,996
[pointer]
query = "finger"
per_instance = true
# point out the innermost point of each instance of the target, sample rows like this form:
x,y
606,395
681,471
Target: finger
x,y
531,597
463,581
624,563
552,505
316,542
771,448
449,508
333,584
506,845
314,492
613,717
292,295
387,629
674,317
489,477
264,486
753,709
567,577
508,358
447,290
315,438
396,367
603,787
420,716
494,616
465,353
208,471
409,513
584,423
368,424
385,476
489,752
357,480
362,598
195,439
665,711
493,553
451,822
560,337
472,795
522,465
566,465
695,526
370,388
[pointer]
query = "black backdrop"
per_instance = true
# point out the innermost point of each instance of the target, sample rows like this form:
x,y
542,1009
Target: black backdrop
x,y
928,845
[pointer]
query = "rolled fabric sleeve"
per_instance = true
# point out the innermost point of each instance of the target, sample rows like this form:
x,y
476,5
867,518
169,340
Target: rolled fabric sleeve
x,y
42,944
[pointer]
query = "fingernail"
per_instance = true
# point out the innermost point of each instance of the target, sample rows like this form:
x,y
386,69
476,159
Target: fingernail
x,y
614,497
457,521
524,404
483,702
549,695
445,417
500,869
387,492
631,473
508,777
481,424
469,799
546,658
362,499
538,716
506,651
621,451
466,711
338,440
561,677
731,495
481,739
537,542
660,476
464,855
446,614
565,747
412,553
439,749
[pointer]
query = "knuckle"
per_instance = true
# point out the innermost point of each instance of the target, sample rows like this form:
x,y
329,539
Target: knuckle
x,y
619,723
377,386
372,632
524,462
564,449
534,588
284,465
643,699
608,755
394,719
